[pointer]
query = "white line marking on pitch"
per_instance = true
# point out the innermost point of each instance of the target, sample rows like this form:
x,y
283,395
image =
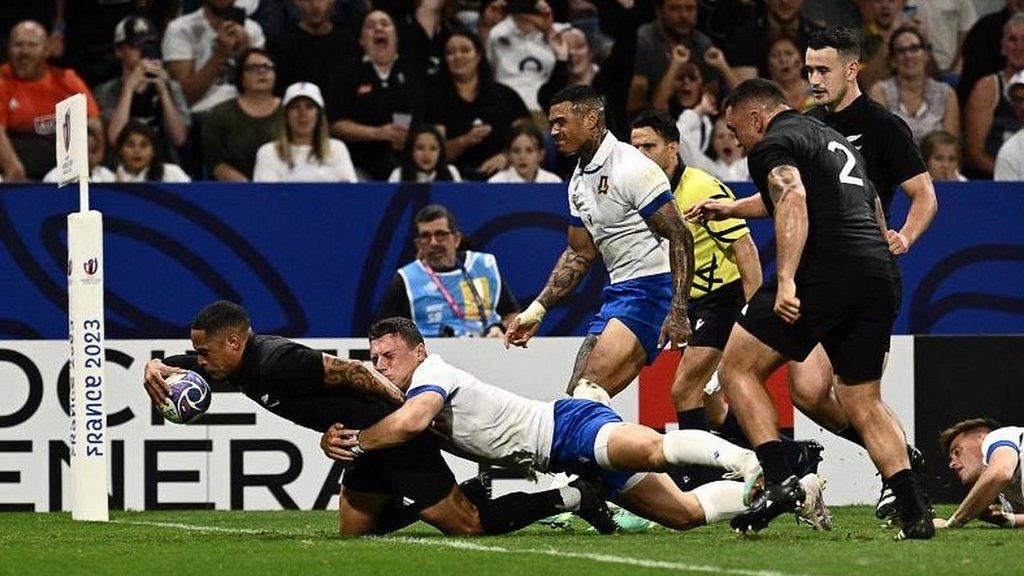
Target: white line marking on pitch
x,y
465,545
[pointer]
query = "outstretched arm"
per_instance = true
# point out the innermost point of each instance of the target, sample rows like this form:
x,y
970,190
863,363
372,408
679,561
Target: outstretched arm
x,y
360,378
996,475
667,223
790,198
711,209
569,271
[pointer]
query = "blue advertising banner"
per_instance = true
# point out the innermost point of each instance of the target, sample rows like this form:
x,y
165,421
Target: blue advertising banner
x,y
313,260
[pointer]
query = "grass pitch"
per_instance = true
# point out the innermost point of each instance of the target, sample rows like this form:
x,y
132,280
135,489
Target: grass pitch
x,y
252,543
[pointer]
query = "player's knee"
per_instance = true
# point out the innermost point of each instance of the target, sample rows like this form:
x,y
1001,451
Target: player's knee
x,y
654,453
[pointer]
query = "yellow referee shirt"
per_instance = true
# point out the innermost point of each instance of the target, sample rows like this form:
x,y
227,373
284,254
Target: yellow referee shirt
x,y
714,262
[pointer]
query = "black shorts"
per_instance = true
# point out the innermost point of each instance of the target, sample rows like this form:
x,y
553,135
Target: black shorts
x,y
415,471
712,315
852,319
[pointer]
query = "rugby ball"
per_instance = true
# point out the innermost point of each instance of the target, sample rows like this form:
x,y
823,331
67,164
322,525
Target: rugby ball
x,y
189,397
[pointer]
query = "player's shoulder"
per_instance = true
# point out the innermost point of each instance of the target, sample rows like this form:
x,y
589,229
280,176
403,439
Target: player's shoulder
x,y
1012,434
696,182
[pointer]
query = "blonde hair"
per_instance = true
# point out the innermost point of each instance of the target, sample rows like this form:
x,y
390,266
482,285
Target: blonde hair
x,y
320,149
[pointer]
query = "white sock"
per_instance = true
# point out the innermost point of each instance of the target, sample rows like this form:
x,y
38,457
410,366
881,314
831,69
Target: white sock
x,y
720,500
571,498
705,449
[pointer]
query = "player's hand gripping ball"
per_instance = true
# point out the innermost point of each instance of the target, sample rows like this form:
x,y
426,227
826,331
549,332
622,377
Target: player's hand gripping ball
x,y
189,397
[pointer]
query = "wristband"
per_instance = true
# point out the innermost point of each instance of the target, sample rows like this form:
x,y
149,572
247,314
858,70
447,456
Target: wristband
x,y
533,314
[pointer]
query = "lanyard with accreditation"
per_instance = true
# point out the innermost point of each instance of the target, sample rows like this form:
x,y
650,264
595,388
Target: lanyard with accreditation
x,y
456,309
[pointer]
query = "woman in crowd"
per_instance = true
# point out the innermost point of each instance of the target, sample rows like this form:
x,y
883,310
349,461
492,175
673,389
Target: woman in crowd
x,y
425,159
925,104
304,152
141,157
989,118
421,35
941,153
574,65
476,112
235,130
525,152
785,66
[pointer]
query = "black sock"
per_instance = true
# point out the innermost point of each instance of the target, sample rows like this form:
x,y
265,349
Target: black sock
x,y
850,433
732,430
695,419
909,496
772,455
518,510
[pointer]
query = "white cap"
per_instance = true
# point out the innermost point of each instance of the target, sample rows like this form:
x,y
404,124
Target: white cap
x,y
303,90
1016,79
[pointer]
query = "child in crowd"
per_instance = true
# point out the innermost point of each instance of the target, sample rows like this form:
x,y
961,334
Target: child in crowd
x,y
425,160
525,152
941,153
141,157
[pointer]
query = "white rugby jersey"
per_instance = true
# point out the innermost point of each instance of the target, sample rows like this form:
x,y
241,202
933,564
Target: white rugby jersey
x,y
1011,437
610,197
485,423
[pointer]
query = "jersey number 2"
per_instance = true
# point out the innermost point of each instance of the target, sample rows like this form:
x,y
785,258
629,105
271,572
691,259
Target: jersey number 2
x,y
845,175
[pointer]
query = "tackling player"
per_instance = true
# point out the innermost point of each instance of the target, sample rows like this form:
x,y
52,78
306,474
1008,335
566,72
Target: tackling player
x,y
580,436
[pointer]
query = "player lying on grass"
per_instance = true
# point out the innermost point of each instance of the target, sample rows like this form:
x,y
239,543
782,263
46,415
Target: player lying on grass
x,y
314,390
574,435
986,457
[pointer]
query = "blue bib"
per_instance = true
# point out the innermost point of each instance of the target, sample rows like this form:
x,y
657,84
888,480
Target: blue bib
x,y
430,310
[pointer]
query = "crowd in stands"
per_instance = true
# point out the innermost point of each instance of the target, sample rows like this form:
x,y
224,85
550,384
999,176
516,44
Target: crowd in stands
x,y
457,90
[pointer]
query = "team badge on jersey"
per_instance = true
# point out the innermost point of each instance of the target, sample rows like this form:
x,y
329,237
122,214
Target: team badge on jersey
x,y
602,185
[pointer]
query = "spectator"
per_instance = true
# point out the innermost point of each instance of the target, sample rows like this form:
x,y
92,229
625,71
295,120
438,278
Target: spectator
x,y
1010,160
947,23
786,68
525,152
96,150
574,64
422,33
656,43
691,100
476,112
941,153
730,164
199,48
425,160
235,130
143,92
748,50
881,19
989,115
374,100
29,91
304,152
308,50
925,104
982,54
447,291
519,46
141,158
831,13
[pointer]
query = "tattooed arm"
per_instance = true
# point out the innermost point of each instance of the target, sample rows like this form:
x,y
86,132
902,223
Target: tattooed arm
x,y
360,378
787,192
667,223
570,269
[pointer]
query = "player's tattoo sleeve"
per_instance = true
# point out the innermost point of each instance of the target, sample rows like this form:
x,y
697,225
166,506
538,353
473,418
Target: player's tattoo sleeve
x,y
570,269
787,191
668,223
361,379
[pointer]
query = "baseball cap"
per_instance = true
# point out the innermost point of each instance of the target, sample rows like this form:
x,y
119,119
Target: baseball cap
x,y
1016,80
134,30
304,90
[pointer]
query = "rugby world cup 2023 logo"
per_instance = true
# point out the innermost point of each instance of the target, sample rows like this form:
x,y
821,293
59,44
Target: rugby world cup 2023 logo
x,y
66,128
91,266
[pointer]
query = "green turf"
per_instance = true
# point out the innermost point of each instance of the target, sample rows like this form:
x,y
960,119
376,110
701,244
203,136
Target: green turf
x,y
304,543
